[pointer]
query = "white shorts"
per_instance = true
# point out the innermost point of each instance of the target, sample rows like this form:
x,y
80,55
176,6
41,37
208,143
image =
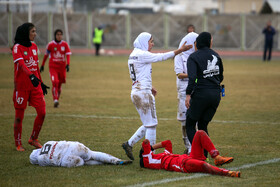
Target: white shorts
x,y
75,156
144,101
182,109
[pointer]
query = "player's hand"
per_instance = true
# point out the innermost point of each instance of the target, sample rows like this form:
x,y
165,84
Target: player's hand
x,y
41,68
44,88
146,141
67,68
185,47
34,80
187,102
154,91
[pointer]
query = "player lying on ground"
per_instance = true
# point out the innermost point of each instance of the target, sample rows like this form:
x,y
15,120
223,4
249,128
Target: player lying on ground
x,y
71,154
193,163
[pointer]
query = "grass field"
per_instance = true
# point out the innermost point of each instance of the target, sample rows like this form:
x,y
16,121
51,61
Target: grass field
x,y
95,109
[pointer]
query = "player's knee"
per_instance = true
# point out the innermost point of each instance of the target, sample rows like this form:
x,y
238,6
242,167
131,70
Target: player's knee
x,y
55,84
201,132
41,112
183,123
18,120
150,126
72,161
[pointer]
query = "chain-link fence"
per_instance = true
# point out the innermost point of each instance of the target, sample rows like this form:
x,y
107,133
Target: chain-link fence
x,y
229,31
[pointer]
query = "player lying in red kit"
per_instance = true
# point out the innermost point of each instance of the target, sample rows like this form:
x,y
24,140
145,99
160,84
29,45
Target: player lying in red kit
x,y
193,163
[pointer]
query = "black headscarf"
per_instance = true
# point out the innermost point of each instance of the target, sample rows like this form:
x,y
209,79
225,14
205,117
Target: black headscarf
x,y
203,40
22,34
55,32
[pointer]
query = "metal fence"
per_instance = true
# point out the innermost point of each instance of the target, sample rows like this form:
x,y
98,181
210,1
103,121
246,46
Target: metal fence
x,y
229,31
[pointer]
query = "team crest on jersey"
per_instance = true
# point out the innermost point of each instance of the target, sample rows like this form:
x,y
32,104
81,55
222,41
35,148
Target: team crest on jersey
x,y
25,53
34,51
62,48
55,49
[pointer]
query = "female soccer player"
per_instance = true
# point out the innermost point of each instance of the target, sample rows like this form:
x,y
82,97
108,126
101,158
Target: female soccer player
x,y
58,50
180,68
29,86
193,163
142,93
71,154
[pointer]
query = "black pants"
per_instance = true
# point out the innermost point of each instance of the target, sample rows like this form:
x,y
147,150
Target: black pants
x,y
267,46
97,47
203,106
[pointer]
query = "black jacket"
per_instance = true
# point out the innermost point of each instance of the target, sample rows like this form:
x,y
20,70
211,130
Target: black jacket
x,y
205,70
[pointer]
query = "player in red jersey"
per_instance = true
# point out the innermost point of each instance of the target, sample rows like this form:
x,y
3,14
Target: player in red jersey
x,y
193,163
58,50
28,84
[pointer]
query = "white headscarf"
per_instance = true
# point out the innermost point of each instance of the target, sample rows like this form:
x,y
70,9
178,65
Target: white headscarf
x,y
34,156
190,38
142,41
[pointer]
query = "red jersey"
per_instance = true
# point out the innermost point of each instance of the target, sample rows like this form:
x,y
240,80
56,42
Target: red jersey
x,y
57,54
166,160
25,64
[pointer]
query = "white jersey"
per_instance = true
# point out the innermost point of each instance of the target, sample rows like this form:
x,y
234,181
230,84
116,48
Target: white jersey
x,y
139,62
53,152
180,61
140,67
180,66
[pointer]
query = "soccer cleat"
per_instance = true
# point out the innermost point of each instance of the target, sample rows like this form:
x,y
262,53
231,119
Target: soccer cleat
x,y
56,103
35,143
128,150
234,174
20,148
123,162
220,160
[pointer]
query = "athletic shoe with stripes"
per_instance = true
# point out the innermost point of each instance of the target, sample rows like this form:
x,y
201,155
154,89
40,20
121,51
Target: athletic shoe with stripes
x,y
123,162
220,160
35,143
20,148
234,174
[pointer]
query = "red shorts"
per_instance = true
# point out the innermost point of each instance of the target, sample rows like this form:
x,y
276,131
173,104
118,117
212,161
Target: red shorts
x,y
58,75
34,97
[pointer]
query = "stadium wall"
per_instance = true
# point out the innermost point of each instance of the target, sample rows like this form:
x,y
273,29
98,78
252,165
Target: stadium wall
x,y
238,32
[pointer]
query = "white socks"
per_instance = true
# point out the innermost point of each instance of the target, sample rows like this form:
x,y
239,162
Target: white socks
x,y
138,135
151,134
103,157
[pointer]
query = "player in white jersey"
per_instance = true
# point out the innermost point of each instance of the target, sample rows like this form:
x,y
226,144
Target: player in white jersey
x,y
71,154
180,68
142,93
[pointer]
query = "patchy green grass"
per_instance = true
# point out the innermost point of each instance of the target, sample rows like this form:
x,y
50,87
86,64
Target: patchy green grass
x,y
245,126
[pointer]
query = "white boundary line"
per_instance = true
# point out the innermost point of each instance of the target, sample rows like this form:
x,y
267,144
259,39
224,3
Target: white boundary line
x,y
204,175
137,118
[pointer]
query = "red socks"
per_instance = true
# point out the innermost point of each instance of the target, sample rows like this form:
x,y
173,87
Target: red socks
x,y
41,112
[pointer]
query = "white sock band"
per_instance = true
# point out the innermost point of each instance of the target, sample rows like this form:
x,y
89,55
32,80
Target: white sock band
x,y
151,134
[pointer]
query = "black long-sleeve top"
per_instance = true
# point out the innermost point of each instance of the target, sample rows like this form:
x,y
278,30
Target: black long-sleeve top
x,y
205,70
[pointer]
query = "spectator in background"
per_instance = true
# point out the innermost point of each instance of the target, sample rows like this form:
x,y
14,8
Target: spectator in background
x,y
29,86
190,28
98,38
269,32
59,52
